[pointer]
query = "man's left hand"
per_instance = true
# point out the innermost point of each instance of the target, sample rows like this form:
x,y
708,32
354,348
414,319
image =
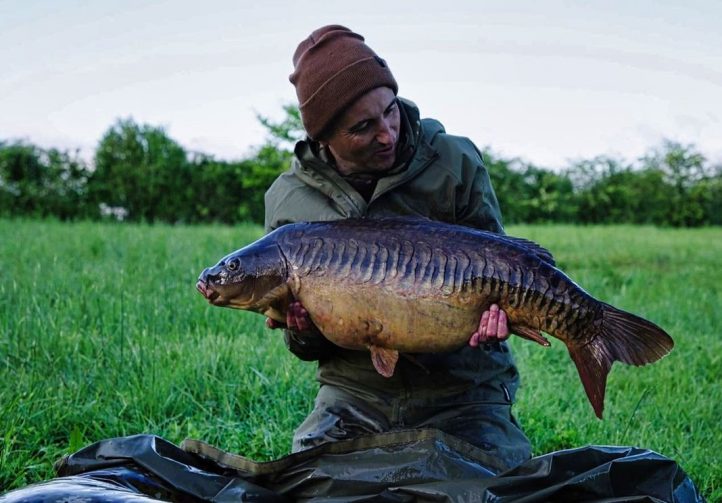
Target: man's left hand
x,y
493,327
297,319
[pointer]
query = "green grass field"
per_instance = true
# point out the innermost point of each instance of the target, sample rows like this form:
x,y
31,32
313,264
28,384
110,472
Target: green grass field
x,y
103,334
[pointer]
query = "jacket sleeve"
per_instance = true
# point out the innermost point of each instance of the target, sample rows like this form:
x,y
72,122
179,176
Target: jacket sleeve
x,y
309,345
476,203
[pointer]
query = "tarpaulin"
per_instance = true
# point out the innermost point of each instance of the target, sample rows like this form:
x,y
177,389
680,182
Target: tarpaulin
x,y
402,466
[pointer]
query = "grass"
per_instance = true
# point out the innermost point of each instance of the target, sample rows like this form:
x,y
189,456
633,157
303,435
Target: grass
x,y
102,334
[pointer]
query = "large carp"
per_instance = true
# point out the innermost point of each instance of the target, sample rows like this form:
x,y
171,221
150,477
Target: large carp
x,y
412,285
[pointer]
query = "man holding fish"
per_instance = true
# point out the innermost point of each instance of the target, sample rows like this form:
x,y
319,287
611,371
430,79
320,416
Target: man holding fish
x,y
369,154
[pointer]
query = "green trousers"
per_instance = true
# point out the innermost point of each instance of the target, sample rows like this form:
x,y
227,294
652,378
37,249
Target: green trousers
x,y
489,425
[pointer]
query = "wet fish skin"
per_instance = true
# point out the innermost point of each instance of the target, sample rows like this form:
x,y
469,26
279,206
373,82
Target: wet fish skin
x,y
414,285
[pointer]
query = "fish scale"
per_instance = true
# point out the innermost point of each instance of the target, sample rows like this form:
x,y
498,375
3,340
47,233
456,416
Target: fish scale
x,y
412,285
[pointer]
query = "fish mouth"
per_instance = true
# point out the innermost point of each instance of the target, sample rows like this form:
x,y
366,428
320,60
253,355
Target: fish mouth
x,y
217,298
209,293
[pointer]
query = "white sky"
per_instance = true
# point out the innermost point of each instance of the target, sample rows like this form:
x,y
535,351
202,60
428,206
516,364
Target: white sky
x,y
549,81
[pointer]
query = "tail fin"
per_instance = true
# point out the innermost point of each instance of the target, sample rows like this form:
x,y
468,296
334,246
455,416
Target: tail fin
x,y
623,337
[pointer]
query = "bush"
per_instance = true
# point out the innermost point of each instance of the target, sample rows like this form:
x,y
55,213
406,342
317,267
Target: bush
x,y
141,174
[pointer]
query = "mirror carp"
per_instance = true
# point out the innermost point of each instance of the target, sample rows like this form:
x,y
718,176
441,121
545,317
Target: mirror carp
x,y
412,285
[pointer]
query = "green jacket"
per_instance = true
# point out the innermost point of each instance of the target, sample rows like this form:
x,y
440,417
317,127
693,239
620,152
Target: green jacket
x,y
444,179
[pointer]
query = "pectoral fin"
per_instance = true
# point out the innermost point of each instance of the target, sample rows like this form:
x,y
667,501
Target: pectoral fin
x,y
531,334
384,360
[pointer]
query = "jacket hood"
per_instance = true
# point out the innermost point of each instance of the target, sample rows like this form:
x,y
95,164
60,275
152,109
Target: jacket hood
x,y
415,153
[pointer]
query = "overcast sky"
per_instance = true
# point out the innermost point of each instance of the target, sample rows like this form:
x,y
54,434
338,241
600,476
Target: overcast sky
x,y
548,81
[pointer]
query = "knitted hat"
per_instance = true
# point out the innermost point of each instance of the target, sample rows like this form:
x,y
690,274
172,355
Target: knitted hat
x,y
334,67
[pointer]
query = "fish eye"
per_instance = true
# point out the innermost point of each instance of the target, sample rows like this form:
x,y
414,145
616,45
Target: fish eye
x,y
233,264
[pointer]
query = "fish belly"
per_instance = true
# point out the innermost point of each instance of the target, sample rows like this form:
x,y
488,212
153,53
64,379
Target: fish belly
x,y
357,315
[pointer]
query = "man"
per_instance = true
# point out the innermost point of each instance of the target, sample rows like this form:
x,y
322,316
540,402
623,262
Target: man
x,y
369,154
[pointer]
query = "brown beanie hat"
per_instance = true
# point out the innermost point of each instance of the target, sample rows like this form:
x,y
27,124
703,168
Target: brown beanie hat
x,y
334,67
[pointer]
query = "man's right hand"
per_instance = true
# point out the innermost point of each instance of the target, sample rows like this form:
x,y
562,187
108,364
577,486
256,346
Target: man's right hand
x,y
493,327
297,319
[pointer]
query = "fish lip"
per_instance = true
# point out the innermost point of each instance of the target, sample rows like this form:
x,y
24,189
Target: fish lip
x,y
211,295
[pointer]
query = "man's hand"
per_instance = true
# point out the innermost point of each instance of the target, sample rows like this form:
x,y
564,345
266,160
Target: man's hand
x,y
297,319
492,327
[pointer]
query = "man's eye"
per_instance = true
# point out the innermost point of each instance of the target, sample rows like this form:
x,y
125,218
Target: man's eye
x,y
360,127
391,109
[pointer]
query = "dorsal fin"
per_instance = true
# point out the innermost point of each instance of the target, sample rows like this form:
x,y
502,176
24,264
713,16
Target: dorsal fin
x,y
533,247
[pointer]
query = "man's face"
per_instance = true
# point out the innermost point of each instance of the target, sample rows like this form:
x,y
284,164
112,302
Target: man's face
x,y
364,138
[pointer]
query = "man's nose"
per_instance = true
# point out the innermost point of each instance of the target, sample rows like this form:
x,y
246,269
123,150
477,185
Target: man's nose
x,y
386,134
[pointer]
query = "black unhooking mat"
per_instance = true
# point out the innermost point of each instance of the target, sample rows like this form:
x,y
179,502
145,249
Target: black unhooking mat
x,y
406,466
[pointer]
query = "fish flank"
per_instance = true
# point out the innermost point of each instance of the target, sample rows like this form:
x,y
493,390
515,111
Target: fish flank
x,y
527,288
324,262
301,257
486,286
431,269
439,273
337,254
394,257
566,319
422,262
516,277
487,270
378,271
314,254
407,260
366,267
357,266
467,274
552,316
545,299
450,274
516,296
294,251
348,258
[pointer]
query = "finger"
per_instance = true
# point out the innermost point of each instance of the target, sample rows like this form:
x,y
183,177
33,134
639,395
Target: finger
x,y
479,336
273,324
300,315
483,323
474,340
492,325
302,322
503,326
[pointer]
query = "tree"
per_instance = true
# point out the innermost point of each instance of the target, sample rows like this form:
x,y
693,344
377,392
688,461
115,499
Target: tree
x,y
548,196
139,168
270,160
528,193
21,178
609,190
683,168
508,183
218,192
234,191
41,183
287,131
261,171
